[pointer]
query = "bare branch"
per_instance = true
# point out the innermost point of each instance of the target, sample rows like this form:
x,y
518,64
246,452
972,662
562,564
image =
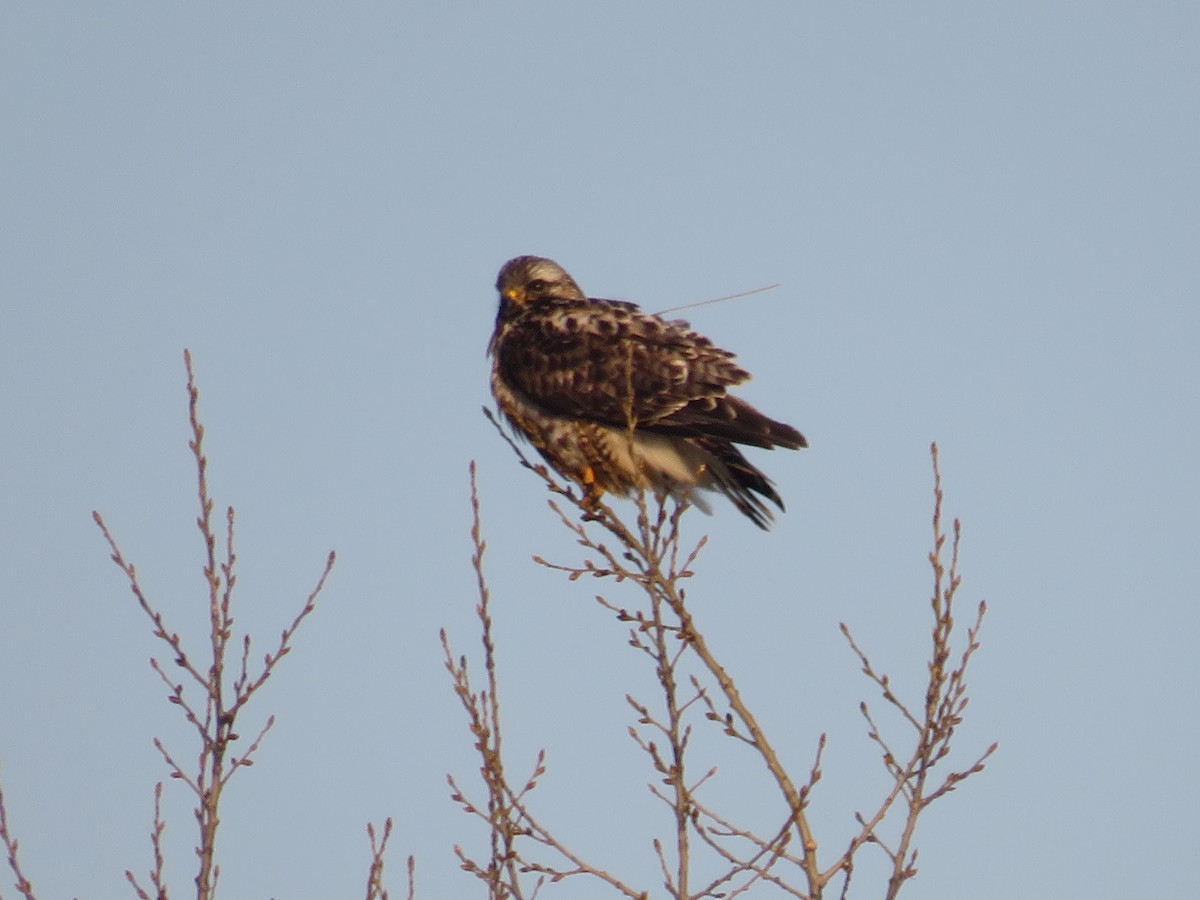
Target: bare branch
x,y
944,703
663,631
11,846
214,713
375,888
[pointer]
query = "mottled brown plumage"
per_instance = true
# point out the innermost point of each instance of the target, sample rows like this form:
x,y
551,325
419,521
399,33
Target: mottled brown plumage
x,y
619,399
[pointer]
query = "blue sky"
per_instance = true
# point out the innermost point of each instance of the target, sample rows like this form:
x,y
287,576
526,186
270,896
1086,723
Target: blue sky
x,y
984,218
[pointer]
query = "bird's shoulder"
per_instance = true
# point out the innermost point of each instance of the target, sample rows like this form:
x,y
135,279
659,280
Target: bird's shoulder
x,y
600,323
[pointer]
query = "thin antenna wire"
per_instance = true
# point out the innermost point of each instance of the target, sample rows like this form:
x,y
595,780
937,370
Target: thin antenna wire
x,y
769,287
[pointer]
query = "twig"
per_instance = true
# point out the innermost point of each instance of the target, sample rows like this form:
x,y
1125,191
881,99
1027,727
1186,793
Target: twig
x,y
375,888
215,715
944,703
11,845
508,817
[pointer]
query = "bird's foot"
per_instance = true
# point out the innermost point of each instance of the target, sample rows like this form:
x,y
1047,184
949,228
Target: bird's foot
x,y
592,492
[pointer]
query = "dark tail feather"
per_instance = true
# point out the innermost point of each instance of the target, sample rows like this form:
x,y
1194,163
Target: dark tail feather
x,y
740,481
732,419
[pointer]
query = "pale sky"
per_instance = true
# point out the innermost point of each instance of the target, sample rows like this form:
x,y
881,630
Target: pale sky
x,y
985,220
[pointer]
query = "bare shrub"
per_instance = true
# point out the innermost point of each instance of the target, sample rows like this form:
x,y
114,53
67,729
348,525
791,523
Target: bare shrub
x,y
696,688
212,688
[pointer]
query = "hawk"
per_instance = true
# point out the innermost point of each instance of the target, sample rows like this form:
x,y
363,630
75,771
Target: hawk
x,y
618,399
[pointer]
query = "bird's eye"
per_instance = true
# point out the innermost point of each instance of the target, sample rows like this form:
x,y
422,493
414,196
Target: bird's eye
x,y
538,285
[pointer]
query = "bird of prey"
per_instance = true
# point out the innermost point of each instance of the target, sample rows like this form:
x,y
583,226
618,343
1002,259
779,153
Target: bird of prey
x,y
618,399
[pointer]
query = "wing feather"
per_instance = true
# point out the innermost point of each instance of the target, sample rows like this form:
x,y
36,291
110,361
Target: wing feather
x,y
605,359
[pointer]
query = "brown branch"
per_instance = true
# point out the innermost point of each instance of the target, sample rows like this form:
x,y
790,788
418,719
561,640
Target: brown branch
x,y
375,887
508,817
648,554
156,874
767,853
11,846
941,713
215,719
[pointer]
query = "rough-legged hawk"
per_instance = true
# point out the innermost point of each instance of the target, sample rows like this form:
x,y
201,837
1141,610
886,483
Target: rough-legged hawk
x,y
619,399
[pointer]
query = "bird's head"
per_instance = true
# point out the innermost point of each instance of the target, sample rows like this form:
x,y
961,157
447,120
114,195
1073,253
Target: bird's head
x,y
528,278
